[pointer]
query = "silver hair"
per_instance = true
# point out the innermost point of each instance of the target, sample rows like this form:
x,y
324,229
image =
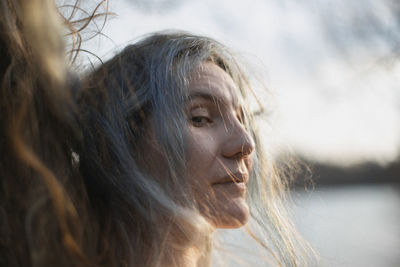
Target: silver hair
x,y
149,79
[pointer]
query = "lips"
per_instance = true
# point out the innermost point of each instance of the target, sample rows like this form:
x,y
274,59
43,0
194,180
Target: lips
x,y
238,177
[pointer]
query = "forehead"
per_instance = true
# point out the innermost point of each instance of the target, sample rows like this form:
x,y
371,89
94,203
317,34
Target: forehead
x,y
210,81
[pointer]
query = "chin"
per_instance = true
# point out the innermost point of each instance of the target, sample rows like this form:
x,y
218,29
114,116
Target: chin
x,y
233,214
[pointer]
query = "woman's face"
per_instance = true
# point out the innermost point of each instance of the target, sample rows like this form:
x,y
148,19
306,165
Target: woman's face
x,y
220,149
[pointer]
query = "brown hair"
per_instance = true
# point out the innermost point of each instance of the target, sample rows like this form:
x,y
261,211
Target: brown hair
x,y
42,199
61,208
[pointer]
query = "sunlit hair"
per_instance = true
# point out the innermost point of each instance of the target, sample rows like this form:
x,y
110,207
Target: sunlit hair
x,y
73,191
41,192
148,82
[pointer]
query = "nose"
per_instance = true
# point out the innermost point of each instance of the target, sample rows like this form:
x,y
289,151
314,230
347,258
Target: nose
x,y
238,142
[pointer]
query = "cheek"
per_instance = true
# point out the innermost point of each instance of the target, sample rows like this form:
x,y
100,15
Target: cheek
x,y
202,167
223,207
201,154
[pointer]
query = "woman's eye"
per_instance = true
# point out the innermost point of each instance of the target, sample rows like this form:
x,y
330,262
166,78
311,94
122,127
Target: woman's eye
x,y
200,120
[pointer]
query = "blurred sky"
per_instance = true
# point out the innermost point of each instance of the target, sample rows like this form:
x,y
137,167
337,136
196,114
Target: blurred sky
x,y
331,66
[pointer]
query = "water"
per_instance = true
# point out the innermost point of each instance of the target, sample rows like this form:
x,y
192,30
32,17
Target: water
x,y
357,226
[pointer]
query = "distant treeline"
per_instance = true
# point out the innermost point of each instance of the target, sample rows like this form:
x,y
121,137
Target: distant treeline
x,y
323,174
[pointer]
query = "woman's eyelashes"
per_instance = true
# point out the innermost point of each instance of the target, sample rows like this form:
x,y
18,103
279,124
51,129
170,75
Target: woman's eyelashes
x,y
200,116
200,121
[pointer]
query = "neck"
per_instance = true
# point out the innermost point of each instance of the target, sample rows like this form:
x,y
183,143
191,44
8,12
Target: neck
x,y
187,258
197,255
186,243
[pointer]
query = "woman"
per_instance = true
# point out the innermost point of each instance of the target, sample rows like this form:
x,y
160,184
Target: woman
x,y
170,152
133,193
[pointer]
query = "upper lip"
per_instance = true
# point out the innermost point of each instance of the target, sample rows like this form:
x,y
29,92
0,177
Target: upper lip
x,y
237,177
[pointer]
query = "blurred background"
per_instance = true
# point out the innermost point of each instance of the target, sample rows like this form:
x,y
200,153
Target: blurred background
x,y
332,70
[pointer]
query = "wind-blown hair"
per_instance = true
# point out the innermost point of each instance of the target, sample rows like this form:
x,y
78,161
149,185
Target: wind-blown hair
x,y
145,87
73,188
42,197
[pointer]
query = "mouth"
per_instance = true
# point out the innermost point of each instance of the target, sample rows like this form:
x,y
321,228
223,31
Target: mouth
x,y
234,178
232,186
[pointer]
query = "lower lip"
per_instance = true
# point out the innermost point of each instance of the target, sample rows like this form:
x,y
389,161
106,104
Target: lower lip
x,y
233,186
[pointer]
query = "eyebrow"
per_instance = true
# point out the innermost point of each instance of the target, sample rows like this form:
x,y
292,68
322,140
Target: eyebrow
x,y
212,98
206,96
